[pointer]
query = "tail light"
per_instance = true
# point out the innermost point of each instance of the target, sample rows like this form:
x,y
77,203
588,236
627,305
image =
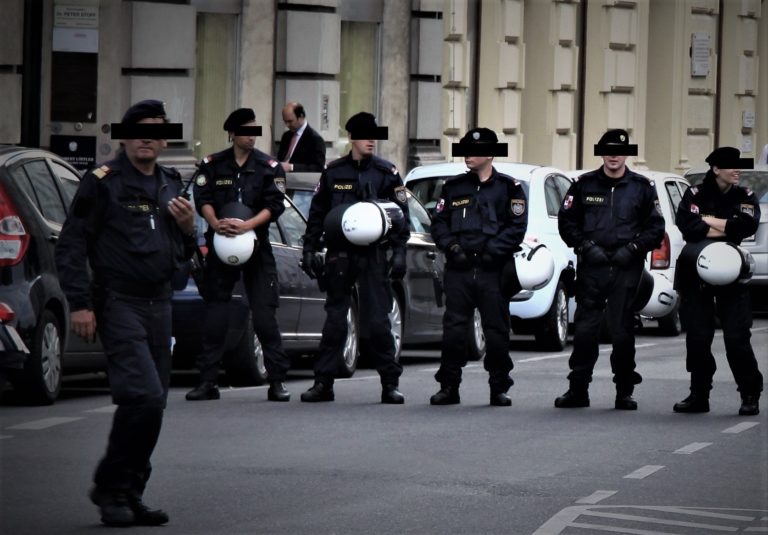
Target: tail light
x,y
14,239
660,258
6,313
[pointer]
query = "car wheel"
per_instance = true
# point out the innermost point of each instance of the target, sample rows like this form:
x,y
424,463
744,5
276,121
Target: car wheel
x,y
245,363
476,342
552,329
41,380
351,353
396,325
670,324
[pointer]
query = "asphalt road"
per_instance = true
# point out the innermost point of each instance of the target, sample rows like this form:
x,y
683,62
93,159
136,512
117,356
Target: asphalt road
x,y
245,465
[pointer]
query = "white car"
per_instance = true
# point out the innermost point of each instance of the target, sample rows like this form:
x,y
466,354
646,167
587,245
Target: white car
x,y
670,189
547,312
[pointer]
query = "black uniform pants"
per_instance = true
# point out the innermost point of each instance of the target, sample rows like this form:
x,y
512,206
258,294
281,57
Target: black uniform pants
x,y
369,270
466,291
136,335
604,291
261,286
732,305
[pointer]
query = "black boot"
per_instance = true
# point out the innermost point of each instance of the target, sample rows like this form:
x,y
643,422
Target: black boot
x,y
318,392
391,395
749,405
624,399
113,506
500,399
448,395
278,392
693,403
204,391
572,399
143,515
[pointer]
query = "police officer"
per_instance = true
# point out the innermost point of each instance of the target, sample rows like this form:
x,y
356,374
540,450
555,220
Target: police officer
x,y
358,176
612,218
718,209
480,221
245,175
130,224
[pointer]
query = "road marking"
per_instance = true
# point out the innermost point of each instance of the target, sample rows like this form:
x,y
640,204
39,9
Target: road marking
x,y
757,530
545,357
644,472
5,436
738,428
692,447
107,408
597,496
666,522
45,423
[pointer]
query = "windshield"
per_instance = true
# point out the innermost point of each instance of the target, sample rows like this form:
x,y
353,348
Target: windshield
x,y
756,180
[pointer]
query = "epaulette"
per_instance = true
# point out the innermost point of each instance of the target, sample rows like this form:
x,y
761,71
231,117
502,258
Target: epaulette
x,y
102,172
694,190
208,159
384,165
508,178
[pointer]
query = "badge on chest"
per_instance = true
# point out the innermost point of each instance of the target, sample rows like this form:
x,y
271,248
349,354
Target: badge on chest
x,y
595,199
460,202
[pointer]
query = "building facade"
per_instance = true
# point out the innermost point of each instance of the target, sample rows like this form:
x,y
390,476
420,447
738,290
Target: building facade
x,y
549,76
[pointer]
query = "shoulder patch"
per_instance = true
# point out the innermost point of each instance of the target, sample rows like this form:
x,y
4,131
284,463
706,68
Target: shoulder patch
x,y
201,180
749,192
748,209
394,170
101,172
272,163
401,195
694,190
280,183
517,206
652,183
208,159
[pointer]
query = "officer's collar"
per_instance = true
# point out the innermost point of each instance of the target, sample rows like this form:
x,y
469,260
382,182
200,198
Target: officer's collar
x,y
248,165
602,175
491,178
365,163
128,166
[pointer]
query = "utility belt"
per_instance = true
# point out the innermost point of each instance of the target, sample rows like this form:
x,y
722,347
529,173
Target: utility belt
x,y
135,289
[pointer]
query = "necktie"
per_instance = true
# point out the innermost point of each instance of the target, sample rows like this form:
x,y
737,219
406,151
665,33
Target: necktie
x,y
292,146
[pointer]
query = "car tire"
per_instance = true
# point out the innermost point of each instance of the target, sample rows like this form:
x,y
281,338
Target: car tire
x,y
351,353
476,343
40,383
670,324
245,362
552,328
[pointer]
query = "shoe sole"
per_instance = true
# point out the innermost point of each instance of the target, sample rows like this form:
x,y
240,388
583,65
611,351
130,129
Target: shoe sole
x,y
571,405
316,400
271,397
690,411
452,402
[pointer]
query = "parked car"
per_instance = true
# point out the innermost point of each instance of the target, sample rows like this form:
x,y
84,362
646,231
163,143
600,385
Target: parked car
x,y
670,189
417,310
36,189
547,312
757,244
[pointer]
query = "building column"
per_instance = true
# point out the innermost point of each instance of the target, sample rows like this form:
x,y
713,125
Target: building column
x,y
456,73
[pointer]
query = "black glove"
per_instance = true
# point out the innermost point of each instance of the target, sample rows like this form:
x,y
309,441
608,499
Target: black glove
x,y
457,258
397,266
624,256
311,264
487,261
592,254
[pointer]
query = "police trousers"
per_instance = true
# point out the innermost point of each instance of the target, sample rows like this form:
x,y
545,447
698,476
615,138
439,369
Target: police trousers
x,y
368,269
136,335
261,287
605,291
731,303
466,291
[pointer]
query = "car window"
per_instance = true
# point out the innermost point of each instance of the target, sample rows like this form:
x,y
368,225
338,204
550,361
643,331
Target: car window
x,y
69,181
555,188
419,217
674,194
293,226
302,199
757,181
39,184
428,190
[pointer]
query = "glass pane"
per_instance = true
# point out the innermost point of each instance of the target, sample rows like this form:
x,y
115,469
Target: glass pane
x,y
358,84
50,203
419,218
293,225
674,195
69,181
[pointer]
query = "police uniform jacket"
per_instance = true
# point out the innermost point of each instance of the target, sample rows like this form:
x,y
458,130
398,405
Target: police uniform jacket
x,y
258,184
347,181
483,217
611,212
120,224
738,206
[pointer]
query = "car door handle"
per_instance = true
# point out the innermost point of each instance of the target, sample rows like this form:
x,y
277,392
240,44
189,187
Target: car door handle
x,y
431,254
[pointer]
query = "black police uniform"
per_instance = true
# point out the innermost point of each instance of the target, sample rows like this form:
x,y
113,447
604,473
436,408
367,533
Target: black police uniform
x,y
488,220
258,184
700,301
346,181
120,225
623,218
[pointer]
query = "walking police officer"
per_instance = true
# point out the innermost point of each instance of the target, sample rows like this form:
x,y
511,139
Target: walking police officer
x,y
358,176
480,221
717,209
130,224
612,218
244,175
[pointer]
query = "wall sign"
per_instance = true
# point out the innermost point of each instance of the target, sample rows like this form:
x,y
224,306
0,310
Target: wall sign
x,y
700,54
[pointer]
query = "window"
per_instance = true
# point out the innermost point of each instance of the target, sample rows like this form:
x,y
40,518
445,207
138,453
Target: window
x,y
39,185
358,70
69,181
419,218
293,226
674,194
555,188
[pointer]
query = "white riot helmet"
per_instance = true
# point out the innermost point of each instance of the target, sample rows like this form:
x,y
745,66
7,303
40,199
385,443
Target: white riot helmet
x,y
362,223
721,263
655,297
235,250
531,268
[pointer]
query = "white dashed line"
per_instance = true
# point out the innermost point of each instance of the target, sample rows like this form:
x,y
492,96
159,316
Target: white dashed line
x,y
545,357
644,472
107,409
692,447
5,436
738,428
45,423
595,497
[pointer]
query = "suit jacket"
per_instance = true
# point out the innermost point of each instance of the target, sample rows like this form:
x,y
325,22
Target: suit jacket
x,y
309,154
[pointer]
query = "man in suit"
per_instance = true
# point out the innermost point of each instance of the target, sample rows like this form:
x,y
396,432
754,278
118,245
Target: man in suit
x,y
301,148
